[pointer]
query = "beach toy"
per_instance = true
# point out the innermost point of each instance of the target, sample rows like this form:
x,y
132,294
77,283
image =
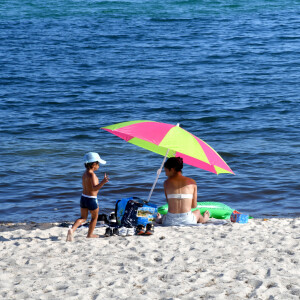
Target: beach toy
x,y
237,217
217,210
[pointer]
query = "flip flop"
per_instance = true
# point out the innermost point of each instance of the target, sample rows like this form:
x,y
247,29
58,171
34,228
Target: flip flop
x,y
140,229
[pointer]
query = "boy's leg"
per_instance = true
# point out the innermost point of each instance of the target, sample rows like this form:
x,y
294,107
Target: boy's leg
x,y
82,219
94,218
78,222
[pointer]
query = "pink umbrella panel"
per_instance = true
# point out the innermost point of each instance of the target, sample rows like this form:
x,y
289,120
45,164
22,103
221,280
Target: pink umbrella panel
x,y
163,138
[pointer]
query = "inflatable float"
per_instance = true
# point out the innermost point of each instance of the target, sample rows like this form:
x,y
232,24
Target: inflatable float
x,y
217,210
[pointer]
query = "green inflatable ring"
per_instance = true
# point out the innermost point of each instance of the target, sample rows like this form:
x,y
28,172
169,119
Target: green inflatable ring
x,y
217,210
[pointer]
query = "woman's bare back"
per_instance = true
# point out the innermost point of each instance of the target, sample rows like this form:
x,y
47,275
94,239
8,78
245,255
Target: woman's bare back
x,y
180,185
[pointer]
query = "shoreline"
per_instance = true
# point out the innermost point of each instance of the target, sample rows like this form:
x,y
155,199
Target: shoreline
x,y
45,225
257,260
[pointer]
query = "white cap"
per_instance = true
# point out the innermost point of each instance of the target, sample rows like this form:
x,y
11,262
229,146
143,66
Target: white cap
x,y
93,157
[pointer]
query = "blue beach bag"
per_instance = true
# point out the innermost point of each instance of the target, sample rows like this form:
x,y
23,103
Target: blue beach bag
x,y
133,211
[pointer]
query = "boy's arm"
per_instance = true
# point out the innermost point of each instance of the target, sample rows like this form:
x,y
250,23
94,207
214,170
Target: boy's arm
x,y
95,182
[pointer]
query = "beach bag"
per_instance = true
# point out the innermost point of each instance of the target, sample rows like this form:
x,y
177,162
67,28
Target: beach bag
x,y
132,211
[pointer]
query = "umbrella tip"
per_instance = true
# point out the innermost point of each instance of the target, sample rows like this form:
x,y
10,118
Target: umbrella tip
x,y
177,124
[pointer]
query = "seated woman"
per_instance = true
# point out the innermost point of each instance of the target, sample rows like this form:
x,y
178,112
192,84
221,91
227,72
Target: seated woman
x,y
181,195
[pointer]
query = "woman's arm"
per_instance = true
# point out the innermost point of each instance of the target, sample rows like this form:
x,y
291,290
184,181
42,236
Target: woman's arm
x,y
194,201
165,189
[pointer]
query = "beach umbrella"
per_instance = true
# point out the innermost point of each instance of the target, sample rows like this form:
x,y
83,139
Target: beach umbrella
x,y
170,141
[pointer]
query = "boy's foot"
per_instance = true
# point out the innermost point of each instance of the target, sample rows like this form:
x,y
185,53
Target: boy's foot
x,y
93,236
70,237
149,229
140,229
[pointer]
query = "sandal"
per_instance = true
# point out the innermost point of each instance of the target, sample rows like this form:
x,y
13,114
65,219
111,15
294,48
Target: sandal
x,y
149,229
108,232
140,229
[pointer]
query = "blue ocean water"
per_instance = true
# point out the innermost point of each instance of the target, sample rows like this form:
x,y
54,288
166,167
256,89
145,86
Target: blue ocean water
x,y
227,71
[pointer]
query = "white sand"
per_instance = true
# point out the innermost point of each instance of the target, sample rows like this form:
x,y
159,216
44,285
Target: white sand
x,y
258,260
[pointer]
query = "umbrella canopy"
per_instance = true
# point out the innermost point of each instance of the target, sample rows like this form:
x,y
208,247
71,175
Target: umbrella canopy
x,y
170,141
161,137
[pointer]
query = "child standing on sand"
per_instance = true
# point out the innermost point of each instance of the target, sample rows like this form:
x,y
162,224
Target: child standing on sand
x,y
89,201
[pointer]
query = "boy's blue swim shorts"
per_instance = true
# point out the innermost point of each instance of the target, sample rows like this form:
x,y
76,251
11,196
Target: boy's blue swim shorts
x,y
89,202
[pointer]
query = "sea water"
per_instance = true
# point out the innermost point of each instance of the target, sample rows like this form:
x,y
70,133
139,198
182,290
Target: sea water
x,y
227,71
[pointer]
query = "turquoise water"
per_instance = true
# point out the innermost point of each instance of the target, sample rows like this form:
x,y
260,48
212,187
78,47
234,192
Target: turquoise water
x,y
227,71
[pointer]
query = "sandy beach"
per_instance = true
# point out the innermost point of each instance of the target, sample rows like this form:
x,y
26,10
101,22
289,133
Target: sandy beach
x,y
220,260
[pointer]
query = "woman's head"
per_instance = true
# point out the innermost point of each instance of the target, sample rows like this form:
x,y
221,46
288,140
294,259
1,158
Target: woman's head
x,y
174,162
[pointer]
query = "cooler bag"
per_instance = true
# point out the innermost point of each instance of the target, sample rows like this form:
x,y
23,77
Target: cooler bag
x,y
133,211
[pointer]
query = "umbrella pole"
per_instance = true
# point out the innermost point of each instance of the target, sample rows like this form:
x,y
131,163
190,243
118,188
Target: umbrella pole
x,y
157,176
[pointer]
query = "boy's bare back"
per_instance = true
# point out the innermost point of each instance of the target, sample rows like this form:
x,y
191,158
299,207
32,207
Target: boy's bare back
x,y
89,181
